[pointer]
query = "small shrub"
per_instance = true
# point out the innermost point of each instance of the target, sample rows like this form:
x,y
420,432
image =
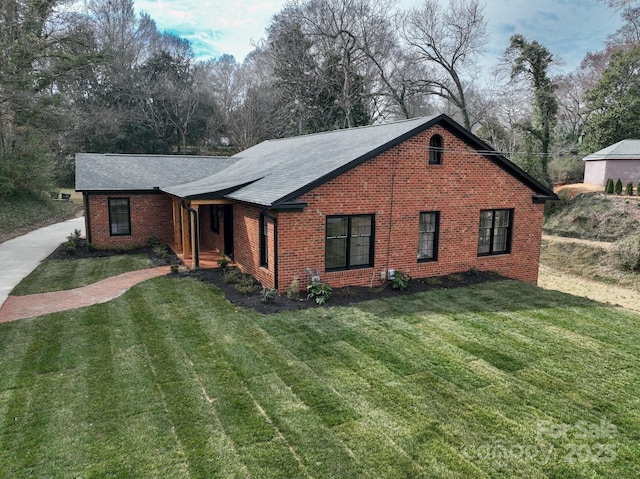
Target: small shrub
x,y
223,261
268,295
346,292
618,187
456,278
231,276
320,291
159,250
174,268
628,190
473,272
609,187
69,247
246,284
626,253
91,247
72,243
154,241
433,281
400,280
293,292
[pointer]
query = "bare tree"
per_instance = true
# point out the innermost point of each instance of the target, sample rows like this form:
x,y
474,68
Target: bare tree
x,y
327,56
448,39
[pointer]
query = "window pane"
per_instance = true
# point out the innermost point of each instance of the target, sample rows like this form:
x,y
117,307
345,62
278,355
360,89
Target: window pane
x,y
336,253
361,226
486,219
360,240
337,227
427,222
119,216
494,231
435,150
500,240
359,254
484,241
426,236
502,218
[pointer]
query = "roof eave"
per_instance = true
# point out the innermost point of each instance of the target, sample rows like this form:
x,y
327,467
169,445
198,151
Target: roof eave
x,y
213,195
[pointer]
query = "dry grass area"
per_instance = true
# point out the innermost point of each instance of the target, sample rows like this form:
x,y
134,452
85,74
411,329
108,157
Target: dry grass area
x,y
550,278
577,188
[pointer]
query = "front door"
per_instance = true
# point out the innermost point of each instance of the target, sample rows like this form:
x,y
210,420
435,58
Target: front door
x,y
228,230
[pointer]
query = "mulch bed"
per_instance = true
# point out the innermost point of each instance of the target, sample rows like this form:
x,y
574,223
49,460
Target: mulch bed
x,y
340,296
158,256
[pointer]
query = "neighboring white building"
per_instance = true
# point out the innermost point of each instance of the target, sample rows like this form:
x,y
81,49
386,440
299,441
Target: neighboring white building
x,y
621,160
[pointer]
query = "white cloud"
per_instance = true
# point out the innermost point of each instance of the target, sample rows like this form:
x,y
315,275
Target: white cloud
x,y
568,28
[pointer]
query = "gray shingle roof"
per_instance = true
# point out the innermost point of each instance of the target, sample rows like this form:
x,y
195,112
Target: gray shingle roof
x,y
273,173
276,169
623,150
110,172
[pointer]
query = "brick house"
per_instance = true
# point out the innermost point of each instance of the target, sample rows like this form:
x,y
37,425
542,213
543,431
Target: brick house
x,y
620,160
424,196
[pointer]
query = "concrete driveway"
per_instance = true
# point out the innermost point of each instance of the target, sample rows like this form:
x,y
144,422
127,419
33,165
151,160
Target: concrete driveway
x,y
19,256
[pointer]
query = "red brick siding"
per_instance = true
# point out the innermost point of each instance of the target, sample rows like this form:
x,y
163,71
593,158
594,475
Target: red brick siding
x,y
151,215
396,186
246,237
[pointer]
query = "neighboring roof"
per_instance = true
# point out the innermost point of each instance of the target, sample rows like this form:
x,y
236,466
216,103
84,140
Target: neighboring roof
x,y
276,172
623,150
111,172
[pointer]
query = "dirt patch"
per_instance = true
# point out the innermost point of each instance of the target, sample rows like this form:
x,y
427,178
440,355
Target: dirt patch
x,y
564,239
548,278
340,296
575,189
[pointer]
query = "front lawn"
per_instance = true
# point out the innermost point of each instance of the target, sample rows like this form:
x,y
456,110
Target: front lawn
x,y
170,380
63,274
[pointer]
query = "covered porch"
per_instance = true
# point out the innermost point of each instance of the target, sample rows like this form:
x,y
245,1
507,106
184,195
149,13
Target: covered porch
x,y
202,231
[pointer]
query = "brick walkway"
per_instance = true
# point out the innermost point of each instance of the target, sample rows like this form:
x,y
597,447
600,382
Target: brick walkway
x,y
20,307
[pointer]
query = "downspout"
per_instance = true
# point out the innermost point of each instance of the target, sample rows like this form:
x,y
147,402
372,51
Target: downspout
x,y
195,233
275,248
87,217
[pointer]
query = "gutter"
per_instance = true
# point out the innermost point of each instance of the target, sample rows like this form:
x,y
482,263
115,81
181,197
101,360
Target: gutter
x,y
540,198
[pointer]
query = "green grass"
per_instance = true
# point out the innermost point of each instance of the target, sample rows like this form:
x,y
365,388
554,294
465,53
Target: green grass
x,y
23,211
171,380
58,275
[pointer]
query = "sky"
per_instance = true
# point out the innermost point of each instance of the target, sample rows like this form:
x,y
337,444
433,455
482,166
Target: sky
x,y
568,28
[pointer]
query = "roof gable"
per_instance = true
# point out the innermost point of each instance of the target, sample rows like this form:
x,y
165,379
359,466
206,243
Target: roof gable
x,y
276,172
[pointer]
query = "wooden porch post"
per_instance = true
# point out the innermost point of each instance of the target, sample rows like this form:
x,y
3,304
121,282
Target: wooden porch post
x,y
186,241
176,225
195,240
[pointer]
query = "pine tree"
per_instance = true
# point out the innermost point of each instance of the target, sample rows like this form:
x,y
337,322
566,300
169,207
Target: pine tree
x,y
608,189
628,190
618,188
